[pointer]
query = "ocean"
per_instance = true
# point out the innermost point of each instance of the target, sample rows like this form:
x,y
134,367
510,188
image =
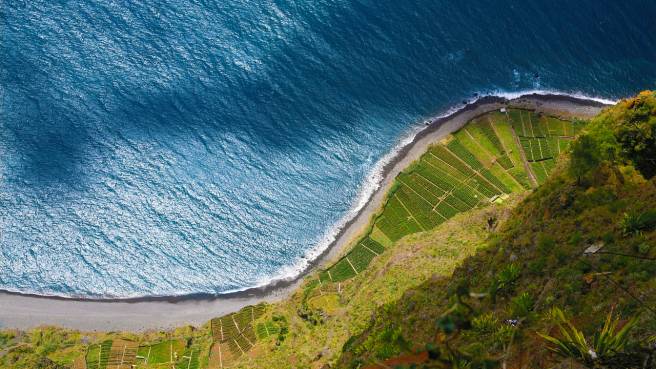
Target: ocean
x,y
157,148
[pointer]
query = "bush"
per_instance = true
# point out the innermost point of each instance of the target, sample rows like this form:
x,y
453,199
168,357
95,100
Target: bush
x,y
635,224
507,277
485,324
584,158
522,305
606,343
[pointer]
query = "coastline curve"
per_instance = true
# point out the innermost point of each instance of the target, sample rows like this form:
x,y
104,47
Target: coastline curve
x,y
24,310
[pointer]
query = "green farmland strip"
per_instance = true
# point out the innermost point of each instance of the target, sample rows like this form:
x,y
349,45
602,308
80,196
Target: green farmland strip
x,y
457,204
414,183
421,209
427,185
486,127
446,168
520,175
507,180
518,124
373,245
360,257
342,271
446,210
557,127
505,162
389,228
98,355
462,153
243,343
449,157
324,277
474,132
539,171
507,138
481,186
495,181
467,196
189,359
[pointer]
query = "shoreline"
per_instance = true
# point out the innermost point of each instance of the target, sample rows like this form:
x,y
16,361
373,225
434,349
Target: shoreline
x,y
24,310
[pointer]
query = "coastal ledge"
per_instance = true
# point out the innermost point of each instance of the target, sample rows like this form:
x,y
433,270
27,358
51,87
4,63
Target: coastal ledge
x,y
137,314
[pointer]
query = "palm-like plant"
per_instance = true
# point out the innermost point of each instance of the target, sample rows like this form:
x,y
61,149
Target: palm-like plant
x,y
605,343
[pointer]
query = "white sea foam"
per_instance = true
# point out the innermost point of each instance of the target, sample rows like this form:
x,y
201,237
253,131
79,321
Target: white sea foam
x,y
375,178
579,95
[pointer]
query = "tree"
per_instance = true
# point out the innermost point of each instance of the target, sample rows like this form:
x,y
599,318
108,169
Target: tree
x,y
637,134
584,157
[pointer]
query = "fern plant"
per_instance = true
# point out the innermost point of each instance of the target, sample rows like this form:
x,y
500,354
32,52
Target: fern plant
x,y
573,344
508,276
522,305
635,224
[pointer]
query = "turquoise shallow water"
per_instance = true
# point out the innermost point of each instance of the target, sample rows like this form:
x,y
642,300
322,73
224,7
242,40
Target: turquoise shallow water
x,y
166,148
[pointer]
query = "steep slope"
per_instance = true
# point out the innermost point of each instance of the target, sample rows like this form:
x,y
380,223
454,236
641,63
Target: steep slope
x,y
584,243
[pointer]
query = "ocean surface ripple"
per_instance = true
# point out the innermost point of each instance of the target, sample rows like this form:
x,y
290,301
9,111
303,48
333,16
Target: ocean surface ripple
x,y
167,148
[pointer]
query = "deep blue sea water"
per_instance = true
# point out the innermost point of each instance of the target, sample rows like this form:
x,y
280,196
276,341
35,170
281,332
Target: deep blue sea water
x,y
168,147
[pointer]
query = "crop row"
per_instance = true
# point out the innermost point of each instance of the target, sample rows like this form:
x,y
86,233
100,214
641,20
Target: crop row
x,y
486,127
505,162
462,153
520,175
420,209
356,260
396,222
526,124
267,329
498,185
342,270
98,355
536,149
468,185
189,359
422,186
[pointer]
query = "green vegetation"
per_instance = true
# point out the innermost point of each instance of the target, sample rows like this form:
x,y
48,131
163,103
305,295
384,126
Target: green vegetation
x,y
161,352
607,342
583,244
473,168
237,331
98,355
452,272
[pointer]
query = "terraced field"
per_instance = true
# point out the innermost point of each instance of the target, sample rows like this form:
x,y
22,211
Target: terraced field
x,y
160,353
236,331
494,155
189,359
97,355
122,355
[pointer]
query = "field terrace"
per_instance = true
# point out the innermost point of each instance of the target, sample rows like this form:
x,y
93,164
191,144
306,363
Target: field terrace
x,y
494,155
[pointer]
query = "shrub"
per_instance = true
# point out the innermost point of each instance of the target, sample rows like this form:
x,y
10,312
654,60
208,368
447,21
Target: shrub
x,y
644,248
503,335
584,158
546,243
607,342
522,305
635,224
485,324
508,276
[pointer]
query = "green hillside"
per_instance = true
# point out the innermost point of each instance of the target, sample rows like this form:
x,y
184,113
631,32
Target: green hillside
x,y
479,247
583,243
